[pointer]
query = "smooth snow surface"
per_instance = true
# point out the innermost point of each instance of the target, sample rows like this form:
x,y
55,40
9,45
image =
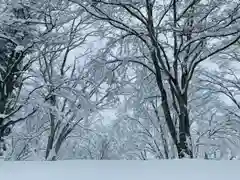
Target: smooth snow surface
x,y
121,170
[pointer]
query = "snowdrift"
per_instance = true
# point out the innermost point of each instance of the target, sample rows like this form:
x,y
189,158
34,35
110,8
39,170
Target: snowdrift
x,y
121,170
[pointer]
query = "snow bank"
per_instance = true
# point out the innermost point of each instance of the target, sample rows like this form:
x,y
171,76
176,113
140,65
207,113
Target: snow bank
x,y
121,170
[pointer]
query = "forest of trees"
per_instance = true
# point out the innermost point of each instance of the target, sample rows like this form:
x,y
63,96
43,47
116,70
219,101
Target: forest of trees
x,y
119,79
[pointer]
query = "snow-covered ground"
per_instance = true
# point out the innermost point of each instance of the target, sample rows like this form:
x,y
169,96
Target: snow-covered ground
x,y
121,170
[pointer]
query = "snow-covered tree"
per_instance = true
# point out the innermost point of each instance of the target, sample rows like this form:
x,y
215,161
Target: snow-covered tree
x,y
63,63
23,25
170,39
